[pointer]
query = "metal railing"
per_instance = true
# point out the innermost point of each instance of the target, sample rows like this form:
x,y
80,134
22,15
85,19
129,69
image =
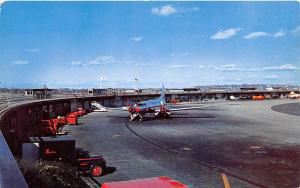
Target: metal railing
x,y
7,100
10,174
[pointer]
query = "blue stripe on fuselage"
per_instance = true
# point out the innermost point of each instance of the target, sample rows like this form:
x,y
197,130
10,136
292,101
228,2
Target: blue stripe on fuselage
x,y
151,103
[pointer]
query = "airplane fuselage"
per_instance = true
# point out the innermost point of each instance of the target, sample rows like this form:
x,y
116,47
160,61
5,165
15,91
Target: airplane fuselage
x,y
156,106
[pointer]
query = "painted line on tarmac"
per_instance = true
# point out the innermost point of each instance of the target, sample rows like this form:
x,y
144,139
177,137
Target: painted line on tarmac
x,y
225,180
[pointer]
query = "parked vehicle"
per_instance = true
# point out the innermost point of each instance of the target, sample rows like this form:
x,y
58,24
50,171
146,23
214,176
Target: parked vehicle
x,y
62,148
90,165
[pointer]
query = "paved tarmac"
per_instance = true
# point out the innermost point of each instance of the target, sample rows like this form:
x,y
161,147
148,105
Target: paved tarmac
x,y
244,141
290,108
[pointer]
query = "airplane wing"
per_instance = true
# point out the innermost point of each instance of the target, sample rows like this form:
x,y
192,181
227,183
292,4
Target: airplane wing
x,y
124,108
188,108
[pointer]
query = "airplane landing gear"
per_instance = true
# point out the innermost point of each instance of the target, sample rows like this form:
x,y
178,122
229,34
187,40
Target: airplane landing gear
x,y
163,114
135,115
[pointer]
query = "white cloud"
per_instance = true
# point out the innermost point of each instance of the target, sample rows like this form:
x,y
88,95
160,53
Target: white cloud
x,y
19,62
234,67
2,1
202,67
270,77
225,34
253,70
180,66
164,10
136,39
256,35
169,9
134,63
227,67
33,50
238,79
205,67
76,63
278,34
102,60
285,67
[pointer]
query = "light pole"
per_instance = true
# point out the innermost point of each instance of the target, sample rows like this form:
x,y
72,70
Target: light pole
x,y
101,79
135,82
45,87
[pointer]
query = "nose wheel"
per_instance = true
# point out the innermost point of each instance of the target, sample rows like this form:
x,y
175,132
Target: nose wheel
x,y
136,115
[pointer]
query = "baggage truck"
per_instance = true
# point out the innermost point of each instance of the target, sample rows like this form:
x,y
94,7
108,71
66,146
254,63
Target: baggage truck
x,y
62,148
258,97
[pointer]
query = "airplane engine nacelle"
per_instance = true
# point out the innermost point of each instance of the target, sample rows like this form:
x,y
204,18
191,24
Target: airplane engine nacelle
x,y
163,109
138,109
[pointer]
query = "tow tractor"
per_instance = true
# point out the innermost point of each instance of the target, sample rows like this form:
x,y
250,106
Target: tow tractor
x,y
62,148
90,165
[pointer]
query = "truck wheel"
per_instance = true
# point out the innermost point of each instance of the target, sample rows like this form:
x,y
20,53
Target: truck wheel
x,y
96,170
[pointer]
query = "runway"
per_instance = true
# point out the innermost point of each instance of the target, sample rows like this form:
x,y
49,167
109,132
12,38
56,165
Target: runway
x,y
246,143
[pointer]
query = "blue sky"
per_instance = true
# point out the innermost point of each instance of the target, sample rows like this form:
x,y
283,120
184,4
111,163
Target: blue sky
x,y
179,44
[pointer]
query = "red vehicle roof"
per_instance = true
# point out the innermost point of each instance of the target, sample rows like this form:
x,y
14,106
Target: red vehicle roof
x,y
156,182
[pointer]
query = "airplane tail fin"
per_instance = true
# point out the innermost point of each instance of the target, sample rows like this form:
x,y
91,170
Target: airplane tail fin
x,y
162,94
